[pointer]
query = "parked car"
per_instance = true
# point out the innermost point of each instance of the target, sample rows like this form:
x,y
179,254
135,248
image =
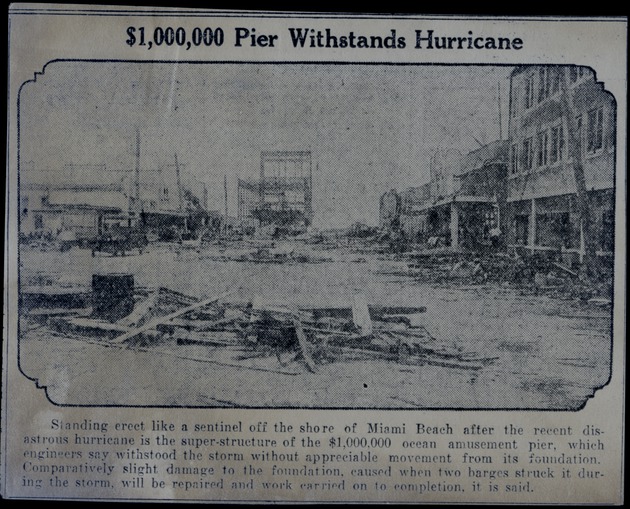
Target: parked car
x,y
119,241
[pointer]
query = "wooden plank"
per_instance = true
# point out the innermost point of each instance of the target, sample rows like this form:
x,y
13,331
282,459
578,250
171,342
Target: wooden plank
x,y
565,269
55,291
140,311
89,323
208,338
164,319
361,314
303,342
201,325
58,312
212,361
176,297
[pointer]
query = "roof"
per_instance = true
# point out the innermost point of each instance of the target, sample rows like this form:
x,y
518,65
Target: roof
x,y
492,152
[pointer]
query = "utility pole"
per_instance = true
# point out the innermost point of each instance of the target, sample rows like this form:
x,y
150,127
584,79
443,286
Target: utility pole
x,y
136,194
499,104
179,192
179,184
576,157
225,221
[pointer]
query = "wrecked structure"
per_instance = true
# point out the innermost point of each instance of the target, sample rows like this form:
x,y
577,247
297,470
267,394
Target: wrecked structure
x,y
542,196
124,316
282,196
461,205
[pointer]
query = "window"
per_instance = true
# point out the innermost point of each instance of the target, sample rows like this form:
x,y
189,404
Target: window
x,y
528,154
520,228
555,229
612,132
543,83
514,166
578,132
513,100
557,144
576,73
543,143
554,78
529,92
548,82
595,130
38,221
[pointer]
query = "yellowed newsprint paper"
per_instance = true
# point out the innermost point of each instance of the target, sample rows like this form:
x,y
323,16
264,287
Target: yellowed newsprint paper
x,y
320,258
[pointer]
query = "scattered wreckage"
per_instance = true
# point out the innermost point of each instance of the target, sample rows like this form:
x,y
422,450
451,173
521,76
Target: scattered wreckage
x,y
309,336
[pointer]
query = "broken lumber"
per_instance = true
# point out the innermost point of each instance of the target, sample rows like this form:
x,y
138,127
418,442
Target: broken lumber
x,y
91,323
140,311
361,314
212,361
303,342
164,319
565,269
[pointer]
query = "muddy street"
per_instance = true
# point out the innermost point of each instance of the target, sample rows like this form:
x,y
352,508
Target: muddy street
x,y
547,353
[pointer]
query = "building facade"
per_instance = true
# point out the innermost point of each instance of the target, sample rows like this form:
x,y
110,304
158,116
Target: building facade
x,y
84,201
542,199
47,210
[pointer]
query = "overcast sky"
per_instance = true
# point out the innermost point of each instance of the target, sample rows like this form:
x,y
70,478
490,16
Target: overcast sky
x,y
370,127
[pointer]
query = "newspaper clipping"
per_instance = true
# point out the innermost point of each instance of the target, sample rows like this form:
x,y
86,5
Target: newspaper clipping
x,y
307,257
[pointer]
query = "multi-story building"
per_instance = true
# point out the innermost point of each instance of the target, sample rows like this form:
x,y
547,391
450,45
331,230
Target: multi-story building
x,y
542,195
282,195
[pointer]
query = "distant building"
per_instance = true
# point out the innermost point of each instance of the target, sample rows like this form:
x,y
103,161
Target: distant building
x,y
542,199
283,195
444,164
87,200
413,219
47,210
389,210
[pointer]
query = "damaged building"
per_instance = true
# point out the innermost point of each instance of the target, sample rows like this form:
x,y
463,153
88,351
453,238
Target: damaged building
x,y
461,205
282,197
404,212
468,198
542,196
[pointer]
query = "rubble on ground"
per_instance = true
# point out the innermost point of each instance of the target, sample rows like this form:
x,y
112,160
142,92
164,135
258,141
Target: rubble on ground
x,y
306,335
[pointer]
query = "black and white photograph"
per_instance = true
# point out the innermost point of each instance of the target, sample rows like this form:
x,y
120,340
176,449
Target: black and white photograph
x,y
286,235
275,257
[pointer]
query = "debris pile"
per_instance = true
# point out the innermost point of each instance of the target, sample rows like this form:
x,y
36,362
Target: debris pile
x,y
306,336
532,275
270,255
